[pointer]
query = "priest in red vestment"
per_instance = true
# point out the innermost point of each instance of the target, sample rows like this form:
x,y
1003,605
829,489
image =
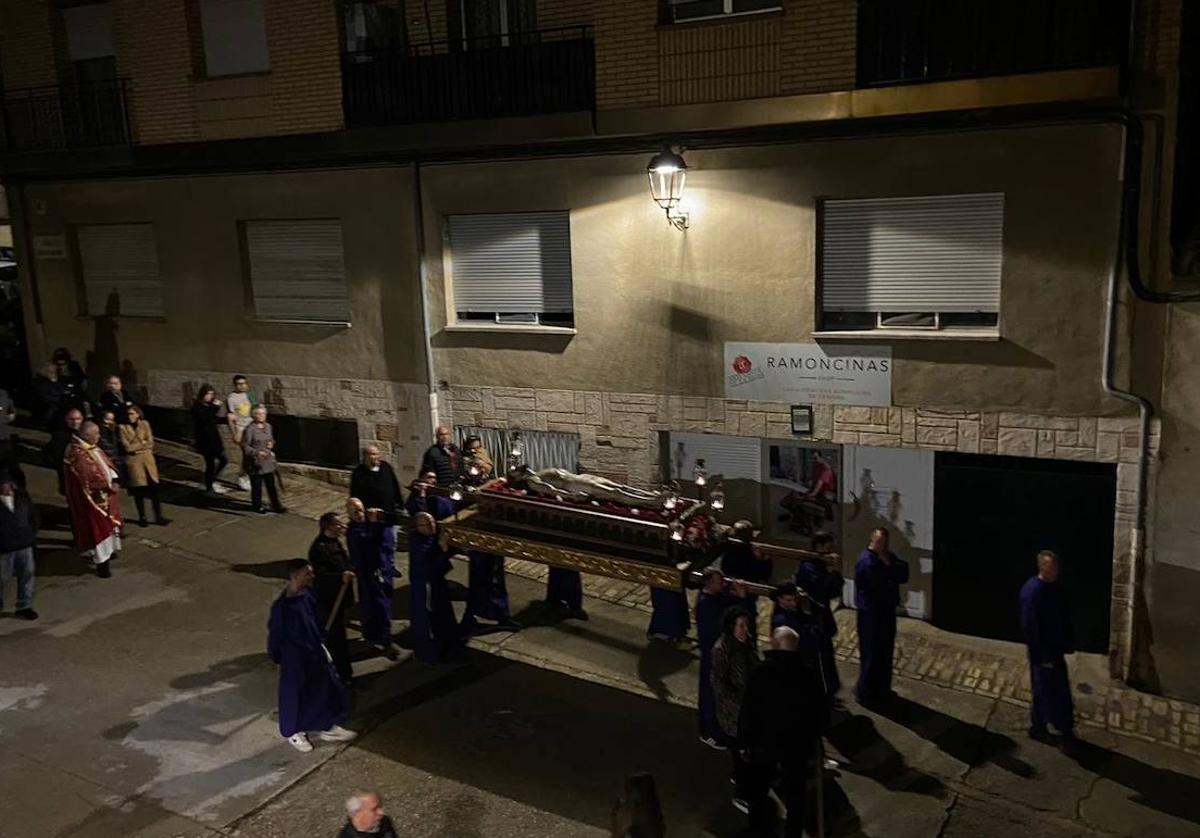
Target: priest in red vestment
x,y
93,498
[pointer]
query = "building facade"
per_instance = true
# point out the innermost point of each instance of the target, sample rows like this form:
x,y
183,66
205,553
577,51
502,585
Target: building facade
x,y
390,214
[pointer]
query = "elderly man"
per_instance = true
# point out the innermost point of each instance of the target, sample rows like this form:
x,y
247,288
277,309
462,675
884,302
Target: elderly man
x,y
60,440
366,817
372,547
783,716
442,458
374,482
1046,624
93,498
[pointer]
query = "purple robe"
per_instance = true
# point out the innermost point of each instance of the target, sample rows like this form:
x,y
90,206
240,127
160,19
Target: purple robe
x,y
487,590
310,696
1046,623
432,625
670,616
876,596
565,586
372,547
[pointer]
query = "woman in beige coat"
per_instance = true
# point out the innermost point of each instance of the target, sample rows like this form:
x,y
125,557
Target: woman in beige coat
x,y
137,439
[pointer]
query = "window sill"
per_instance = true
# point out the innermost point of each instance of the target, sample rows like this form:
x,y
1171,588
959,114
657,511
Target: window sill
x,y
732,17
249,74
978,335
136,318
329,324
496,328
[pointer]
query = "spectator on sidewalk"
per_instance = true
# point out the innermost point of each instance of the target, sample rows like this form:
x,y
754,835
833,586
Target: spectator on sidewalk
x,y
18,534
258,449
208,414
93,499
49,396
783,716
8,440
310,697
141,467
110,442
366,817
442,458
72,380
374,482
240,408
56,449
734,656
878,575
711,604
333,570
1049,637
371,542
114,398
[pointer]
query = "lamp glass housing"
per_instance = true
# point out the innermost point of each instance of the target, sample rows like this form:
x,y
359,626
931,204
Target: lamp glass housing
x,y
668,176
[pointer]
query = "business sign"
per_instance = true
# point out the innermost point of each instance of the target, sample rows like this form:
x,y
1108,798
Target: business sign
x,y
50,247
809,373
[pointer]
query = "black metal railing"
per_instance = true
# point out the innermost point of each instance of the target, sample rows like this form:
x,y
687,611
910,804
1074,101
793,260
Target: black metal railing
x,y
83,115
521,74
905,41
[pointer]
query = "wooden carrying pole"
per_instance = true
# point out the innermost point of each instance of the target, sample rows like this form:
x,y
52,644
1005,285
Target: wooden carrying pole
x,y
337,604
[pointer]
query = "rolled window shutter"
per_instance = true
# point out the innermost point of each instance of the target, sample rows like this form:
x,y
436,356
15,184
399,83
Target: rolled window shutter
x,y
235,37
732,457
512,263
89,31
297,270
120,270
935,253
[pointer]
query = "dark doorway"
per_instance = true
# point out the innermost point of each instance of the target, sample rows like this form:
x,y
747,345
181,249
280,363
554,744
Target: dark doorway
x,y
992,515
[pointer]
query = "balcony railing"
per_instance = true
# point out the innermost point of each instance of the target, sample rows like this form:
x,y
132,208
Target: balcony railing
x,y
521,74
85,115
905,41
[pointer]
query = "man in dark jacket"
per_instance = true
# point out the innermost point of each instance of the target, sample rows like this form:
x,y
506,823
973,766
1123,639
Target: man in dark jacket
x,y
783,716
442,458
60,441
366,817
332,568
878,575
116,399
18,533
374,483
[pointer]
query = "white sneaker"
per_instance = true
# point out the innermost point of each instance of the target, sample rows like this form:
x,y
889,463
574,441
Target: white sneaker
x,y
300,742
218,489
244,483
337,733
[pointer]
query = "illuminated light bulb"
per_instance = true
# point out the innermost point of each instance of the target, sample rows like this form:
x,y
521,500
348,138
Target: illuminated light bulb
x,y
700,473
676,531
671,502
456,492
717,499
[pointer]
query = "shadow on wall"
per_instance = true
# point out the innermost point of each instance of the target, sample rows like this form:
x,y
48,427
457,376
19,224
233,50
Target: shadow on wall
x,y
524,341
104,358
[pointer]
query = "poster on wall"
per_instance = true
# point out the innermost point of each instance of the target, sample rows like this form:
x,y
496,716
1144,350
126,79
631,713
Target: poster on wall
x,y
809,373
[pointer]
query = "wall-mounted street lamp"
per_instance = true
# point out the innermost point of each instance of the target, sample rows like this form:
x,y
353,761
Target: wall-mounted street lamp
x,y
668,175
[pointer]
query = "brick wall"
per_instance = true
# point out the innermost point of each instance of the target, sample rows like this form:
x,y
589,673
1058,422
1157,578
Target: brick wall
x,y
26,44
626,53
818,46
707,63
152,50
551,14
304,44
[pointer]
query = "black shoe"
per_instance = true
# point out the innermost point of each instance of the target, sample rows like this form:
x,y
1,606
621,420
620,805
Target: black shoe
x,y
103,570
577,614
261,510
142,522
162,522
27,614
509,625
279,510
1040,734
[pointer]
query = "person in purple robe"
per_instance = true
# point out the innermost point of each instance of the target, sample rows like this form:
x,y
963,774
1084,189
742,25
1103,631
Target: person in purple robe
x,y
670,618
311,697
564,589
432,626
487,595
371,543
711,603
421,498
1046,624
823,586
878,575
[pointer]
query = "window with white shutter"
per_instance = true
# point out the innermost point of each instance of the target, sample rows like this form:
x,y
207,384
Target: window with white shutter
x,y
235,37
119,265
927,262
512,268
298,271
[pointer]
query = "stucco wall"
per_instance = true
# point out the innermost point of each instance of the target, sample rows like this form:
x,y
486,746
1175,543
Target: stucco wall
x,y
208,325
654,306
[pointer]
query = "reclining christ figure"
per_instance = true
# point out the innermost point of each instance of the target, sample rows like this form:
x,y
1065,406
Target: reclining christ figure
x,y
557,482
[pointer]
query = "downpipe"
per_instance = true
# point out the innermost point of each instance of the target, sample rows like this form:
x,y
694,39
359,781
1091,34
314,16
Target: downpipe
x,y
423,277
